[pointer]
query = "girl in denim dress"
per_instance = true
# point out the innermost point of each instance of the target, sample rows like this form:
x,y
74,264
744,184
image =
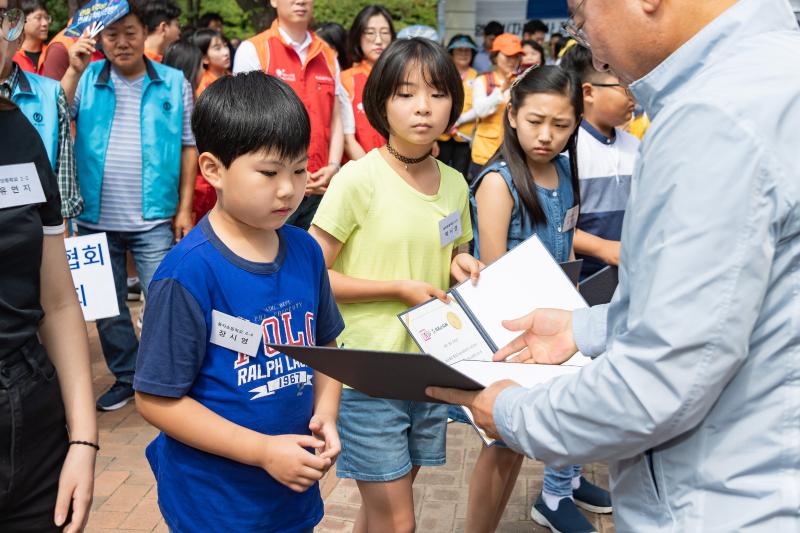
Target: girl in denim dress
x,y
528,187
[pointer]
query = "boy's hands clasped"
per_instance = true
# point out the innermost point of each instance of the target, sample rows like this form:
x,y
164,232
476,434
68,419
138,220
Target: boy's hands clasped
x,y
324,428
287,459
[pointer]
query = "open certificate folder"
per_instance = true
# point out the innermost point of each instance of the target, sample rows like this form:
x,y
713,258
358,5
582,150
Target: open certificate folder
x,y
469,328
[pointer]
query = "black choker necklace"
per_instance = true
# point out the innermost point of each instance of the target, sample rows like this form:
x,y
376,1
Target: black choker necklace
x,y
406,160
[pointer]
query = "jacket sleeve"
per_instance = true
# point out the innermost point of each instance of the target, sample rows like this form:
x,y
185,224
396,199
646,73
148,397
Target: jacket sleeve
x,y
485,104
700,235
589,329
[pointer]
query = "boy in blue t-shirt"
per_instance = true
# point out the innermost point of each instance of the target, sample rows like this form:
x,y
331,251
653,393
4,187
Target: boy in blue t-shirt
x,y
240,421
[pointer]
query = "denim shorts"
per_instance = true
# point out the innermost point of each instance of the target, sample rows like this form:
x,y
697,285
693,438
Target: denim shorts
x,y
383,439
457,414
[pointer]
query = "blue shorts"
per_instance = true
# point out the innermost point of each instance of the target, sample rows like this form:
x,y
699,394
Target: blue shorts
x,y
457,414
383,439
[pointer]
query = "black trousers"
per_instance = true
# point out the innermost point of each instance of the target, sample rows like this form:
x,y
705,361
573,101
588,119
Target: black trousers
x,y
33,440
305,212
457,155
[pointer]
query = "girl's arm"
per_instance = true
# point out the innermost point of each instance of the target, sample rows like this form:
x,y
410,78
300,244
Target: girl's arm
x,y
347,289
604,249
327,392
63,334
494,216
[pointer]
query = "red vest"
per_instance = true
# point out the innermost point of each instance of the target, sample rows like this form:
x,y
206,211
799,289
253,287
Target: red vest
x,y
25,62
354,80
313,82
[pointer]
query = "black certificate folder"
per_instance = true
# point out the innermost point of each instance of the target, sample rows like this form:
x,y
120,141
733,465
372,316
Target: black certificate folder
x,y
392,375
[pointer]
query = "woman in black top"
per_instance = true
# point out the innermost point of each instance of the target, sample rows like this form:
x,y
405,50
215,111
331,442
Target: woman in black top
x,y
48,428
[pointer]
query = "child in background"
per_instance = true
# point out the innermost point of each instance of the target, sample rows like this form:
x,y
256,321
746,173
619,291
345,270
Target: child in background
x,y
379,226
606,157
529,188
216,57
187,58
371,33
532,55
240,421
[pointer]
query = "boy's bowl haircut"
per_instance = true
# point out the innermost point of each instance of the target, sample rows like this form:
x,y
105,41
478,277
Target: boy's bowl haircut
x,y
248,113
390,71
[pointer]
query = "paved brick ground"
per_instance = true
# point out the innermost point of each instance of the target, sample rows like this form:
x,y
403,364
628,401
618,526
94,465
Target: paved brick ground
x,y
125,494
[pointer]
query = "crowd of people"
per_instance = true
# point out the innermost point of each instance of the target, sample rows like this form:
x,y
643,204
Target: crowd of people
x,y
290,188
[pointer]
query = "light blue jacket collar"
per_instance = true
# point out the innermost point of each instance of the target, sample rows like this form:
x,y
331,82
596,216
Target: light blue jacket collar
x,y
654,90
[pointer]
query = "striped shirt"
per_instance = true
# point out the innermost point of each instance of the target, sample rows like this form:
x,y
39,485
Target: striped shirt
x,y
121,194
71,201
605,166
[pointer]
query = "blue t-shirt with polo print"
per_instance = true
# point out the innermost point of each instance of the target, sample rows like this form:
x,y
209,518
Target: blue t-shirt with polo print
x,y
291,300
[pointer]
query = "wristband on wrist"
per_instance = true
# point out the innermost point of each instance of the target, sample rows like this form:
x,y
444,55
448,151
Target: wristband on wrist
x,y
337,166
85,443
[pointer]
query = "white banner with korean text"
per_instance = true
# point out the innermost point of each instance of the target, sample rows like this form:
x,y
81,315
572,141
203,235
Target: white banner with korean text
x,y
90,266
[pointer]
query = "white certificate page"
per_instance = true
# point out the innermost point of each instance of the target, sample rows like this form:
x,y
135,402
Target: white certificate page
x,y
524,279
445,332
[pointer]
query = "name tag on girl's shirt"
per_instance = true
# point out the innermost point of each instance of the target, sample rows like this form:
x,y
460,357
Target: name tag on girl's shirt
x,y
570,219
20,185
450,228
235,333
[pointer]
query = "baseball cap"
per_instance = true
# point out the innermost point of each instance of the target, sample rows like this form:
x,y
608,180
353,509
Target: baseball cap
x,y
507,44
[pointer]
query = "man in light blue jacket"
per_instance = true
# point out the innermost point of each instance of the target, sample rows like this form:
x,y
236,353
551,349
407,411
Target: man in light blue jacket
x,y
695,400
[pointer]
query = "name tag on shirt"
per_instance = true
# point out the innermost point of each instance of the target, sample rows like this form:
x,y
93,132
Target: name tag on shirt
x,y
235,333
20,185
570,219
450,228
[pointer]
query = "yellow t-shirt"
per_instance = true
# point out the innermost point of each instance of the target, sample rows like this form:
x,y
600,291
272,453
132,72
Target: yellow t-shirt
x,y
390,231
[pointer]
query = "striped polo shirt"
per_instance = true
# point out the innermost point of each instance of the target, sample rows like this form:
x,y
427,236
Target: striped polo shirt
x,y
605,166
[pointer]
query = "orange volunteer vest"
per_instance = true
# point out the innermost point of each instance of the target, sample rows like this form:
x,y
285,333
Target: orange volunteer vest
x,y
467,130
353,80
314,82
489,133
25,62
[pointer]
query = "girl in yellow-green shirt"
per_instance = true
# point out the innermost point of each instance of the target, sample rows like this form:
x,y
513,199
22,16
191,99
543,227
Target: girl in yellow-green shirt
x,y
378,225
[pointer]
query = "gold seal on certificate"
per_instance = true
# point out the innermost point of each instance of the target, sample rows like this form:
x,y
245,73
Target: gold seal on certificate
x,y
454,321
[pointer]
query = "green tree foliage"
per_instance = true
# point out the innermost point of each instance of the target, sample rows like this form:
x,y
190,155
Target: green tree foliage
x,y
405,12
57,10
238,22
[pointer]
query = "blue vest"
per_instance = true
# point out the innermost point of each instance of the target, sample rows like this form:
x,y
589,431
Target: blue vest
x,y
37,97
554,202
161,129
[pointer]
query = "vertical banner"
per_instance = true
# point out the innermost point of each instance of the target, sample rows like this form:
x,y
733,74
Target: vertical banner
x,y
90,266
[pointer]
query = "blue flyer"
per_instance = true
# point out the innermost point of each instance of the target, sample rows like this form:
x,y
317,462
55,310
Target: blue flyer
x,y
96,15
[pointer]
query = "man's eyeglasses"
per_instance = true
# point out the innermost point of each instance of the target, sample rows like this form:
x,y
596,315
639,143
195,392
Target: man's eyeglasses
x,y
42,18
574,29
623,87
386,35
11,23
